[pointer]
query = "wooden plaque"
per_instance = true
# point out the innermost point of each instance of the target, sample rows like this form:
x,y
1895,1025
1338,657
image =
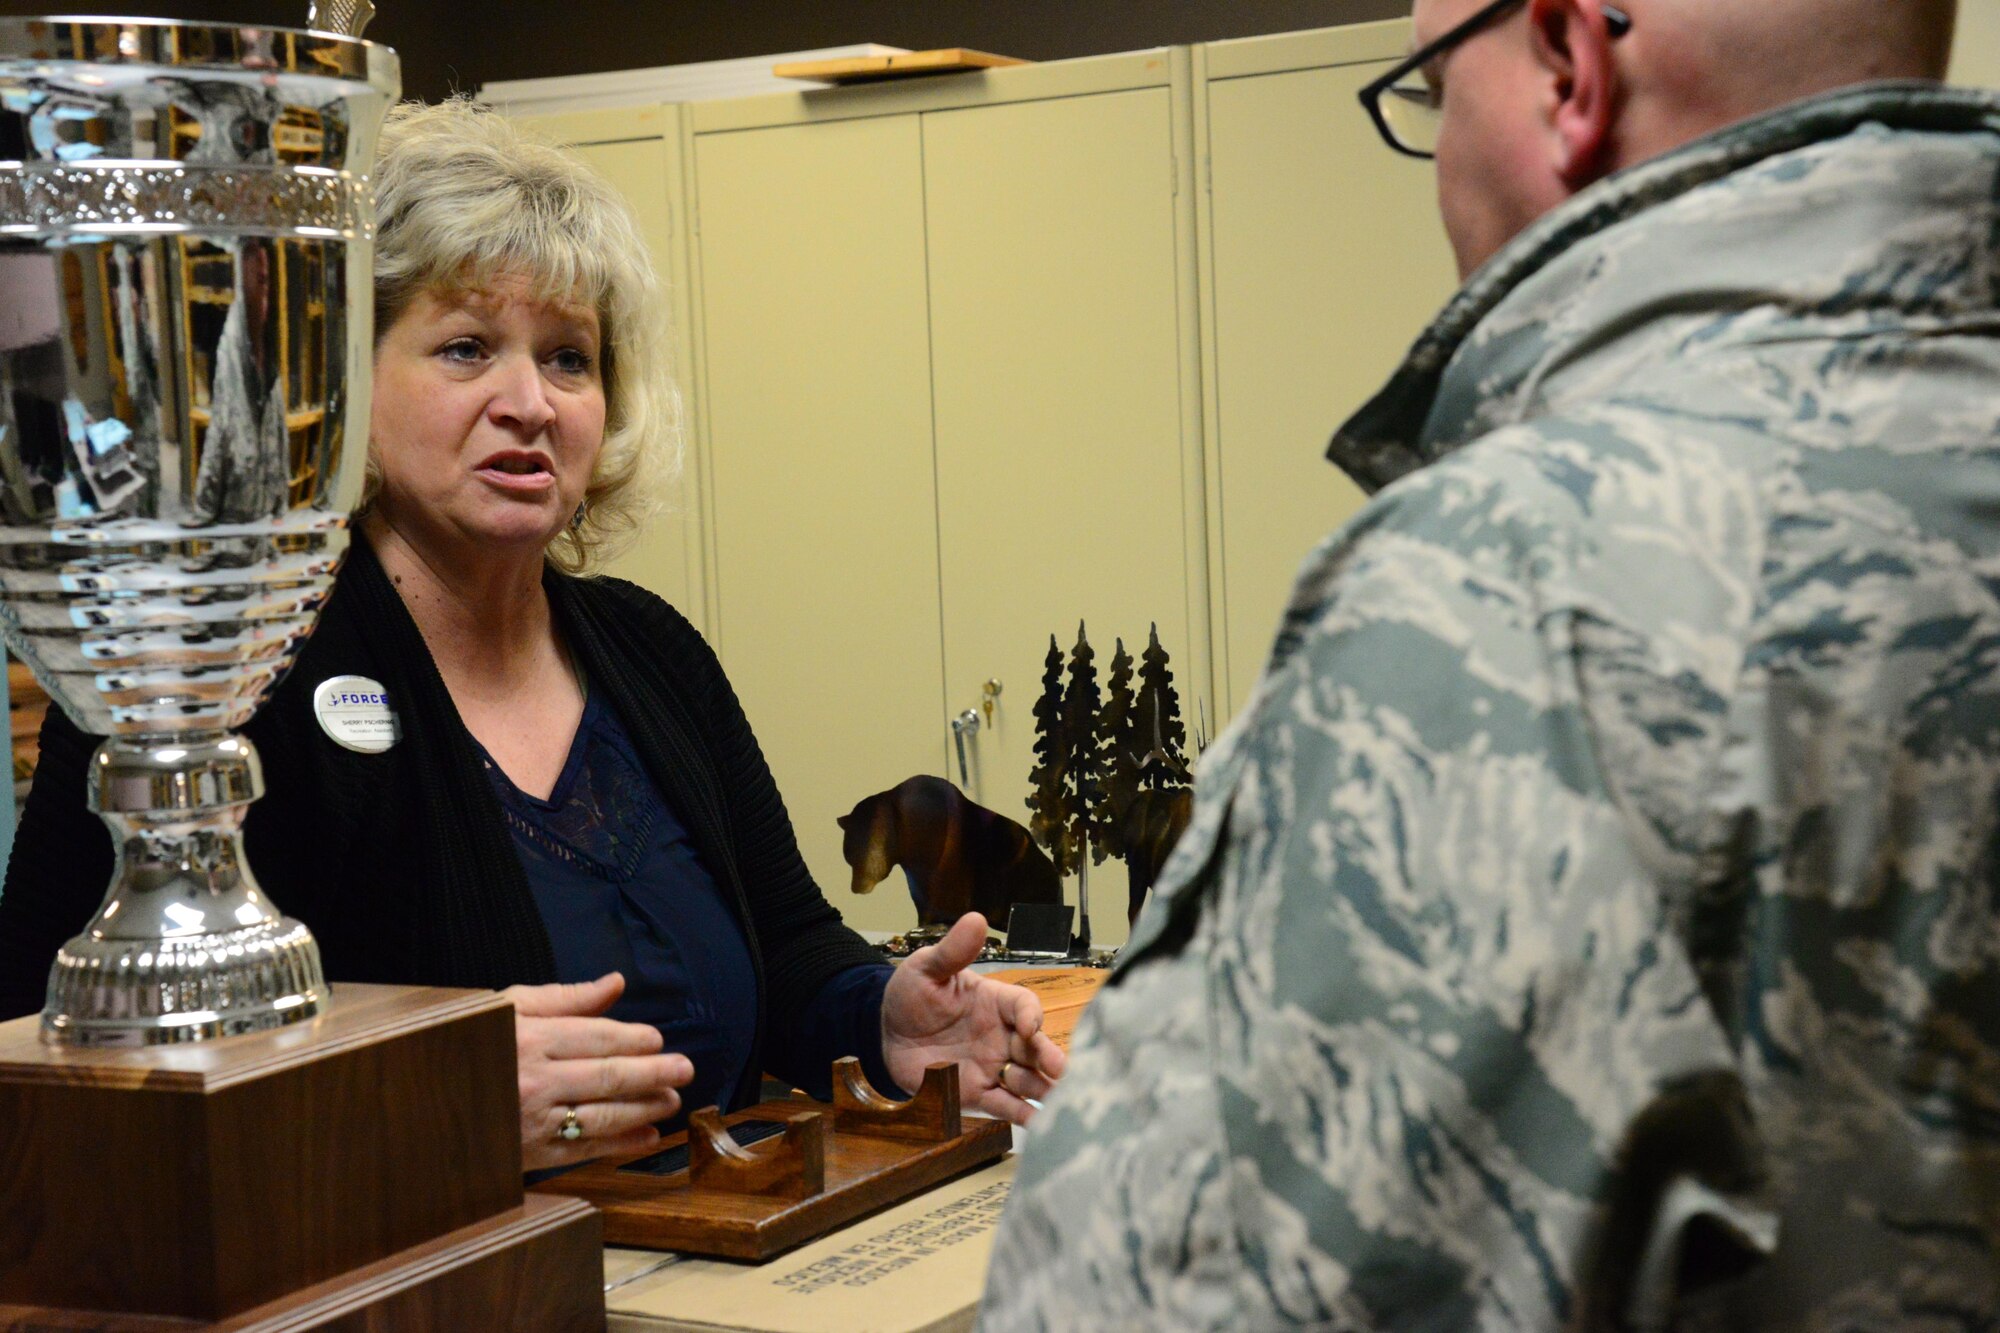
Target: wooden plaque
x,y
868,1152
203,1180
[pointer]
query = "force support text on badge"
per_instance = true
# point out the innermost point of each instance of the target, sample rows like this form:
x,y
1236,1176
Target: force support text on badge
x,y
354,711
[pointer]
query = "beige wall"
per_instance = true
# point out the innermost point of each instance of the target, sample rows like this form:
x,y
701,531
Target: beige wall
x,y
1977,58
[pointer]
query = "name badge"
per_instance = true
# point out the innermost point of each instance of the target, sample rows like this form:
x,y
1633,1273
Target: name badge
x,y
354,711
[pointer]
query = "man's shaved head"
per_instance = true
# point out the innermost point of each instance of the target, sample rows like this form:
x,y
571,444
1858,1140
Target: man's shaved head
x,y
1552,97
1720,61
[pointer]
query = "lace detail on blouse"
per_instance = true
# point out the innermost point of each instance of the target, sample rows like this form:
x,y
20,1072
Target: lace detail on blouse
x,y
601,816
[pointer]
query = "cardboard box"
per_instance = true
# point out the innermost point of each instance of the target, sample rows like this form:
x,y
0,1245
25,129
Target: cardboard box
x,y
916,1268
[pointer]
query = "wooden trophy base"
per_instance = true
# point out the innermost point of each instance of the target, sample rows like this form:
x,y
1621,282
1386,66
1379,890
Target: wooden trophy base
x,y
360,1167
514,1271
706,1193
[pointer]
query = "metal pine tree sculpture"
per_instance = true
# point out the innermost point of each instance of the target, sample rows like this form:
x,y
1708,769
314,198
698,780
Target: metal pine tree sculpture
x,y
1048,778
1083,790
1157,721
1111,775
1118,755
1152,819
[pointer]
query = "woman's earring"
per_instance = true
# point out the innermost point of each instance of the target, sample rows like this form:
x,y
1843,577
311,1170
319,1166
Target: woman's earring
x,y
582,512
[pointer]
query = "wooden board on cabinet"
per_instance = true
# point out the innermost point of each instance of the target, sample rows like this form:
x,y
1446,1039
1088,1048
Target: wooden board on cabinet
x,y
948,60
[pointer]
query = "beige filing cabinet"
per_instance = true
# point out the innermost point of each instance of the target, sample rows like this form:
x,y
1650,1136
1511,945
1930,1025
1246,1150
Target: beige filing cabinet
x,y
1067,423
945,347
1322,259
816,492
816,344
1976,58
640,151
951,405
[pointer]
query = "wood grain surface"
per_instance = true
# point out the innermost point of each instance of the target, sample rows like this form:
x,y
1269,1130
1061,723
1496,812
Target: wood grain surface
x,y
536,1267
932,1116
864,1169
1065,992
792,1166
851,69
204,1180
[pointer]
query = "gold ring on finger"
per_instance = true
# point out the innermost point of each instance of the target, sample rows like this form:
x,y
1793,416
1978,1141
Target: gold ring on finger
x,y
572,1127
1001,1081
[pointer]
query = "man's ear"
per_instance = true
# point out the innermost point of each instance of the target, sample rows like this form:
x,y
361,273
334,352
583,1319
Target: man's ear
x,y
1573,44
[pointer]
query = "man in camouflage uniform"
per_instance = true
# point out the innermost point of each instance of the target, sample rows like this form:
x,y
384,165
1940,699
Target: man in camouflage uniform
x,y
1593,919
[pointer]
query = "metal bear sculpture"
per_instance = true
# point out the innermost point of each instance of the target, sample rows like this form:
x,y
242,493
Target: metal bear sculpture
x,y
959,856
1149,825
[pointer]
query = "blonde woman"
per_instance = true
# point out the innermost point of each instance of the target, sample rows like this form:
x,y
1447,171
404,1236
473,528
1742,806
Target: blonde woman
x,y
576,807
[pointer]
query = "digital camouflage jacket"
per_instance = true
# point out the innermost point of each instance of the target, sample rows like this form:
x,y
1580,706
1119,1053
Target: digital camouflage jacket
x,y
1593,920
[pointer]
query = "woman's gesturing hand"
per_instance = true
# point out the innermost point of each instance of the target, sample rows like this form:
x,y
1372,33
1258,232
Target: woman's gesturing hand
x,y
936,1011
609,1075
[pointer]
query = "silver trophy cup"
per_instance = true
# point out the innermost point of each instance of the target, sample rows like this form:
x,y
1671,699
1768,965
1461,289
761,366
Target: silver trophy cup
x,y
186,237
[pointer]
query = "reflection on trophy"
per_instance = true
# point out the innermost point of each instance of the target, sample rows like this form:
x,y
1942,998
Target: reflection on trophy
x,y
185,324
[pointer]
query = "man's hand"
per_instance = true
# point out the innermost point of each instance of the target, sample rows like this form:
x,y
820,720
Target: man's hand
x,y
610,1073
935,1011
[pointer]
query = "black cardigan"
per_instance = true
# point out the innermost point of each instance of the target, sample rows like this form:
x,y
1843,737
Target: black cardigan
x,y
401,862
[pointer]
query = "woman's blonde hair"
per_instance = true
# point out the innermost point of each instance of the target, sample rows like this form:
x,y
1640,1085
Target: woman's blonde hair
x,y
464,197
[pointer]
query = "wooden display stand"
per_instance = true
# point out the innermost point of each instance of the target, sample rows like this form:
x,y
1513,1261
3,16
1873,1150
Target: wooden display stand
x,y
358,1171
822,1169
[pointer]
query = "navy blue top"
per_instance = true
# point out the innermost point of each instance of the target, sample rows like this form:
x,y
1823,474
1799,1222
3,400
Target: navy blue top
x,y
620,887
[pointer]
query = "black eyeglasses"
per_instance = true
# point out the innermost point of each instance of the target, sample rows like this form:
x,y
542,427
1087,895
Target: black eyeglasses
x,y
1406,103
